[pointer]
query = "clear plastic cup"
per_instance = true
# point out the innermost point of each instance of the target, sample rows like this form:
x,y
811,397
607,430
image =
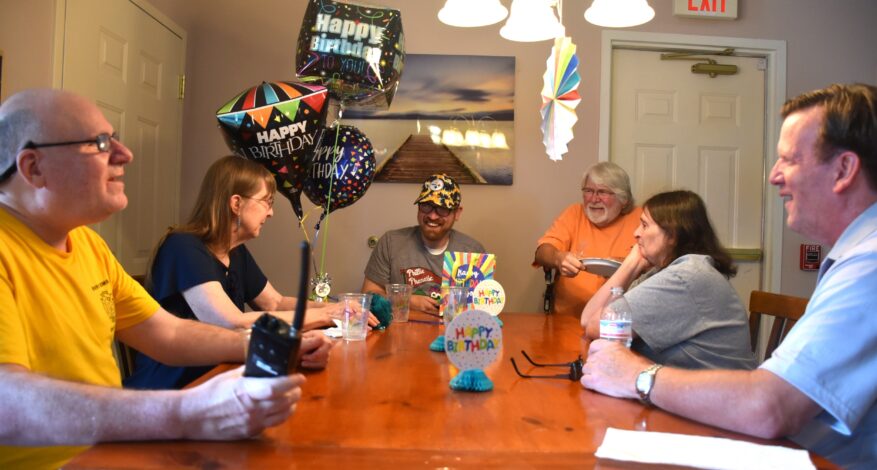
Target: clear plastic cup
x,y
399,296
354,325
454,301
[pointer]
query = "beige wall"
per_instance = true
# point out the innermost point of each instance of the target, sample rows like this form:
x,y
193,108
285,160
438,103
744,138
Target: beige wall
x,y
26,36
234,44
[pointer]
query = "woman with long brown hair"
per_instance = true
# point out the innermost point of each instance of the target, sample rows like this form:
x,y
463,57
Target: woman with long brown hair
x,y
684,310
202,270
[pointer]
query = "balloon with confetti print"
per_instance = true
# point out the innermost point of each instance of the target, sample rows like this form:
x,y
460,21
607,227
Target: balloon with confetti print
x,y
277,124
342,169
356,51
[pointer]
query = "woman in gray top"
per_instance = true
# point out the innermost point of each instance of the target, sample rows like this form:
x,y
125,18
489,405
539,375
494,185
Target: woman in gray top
x,y
685,312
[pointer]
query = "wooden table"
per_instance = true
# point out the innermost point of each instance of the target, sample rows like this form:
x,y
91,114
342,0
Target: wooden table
x,y
386,402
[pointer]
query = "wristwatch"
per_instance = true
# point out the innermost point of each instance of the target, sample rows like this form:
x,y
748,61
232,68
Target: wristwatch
x,y
645,381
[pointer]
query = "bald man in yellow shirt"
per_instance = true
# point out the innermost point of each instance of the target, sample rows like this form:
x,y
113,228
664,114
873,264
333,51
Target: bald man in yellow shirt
x,y
64,298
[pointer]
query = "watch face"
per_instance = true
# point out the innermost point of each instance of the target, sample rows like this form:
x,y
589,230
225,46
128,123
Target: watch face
x,y
642,381
643,384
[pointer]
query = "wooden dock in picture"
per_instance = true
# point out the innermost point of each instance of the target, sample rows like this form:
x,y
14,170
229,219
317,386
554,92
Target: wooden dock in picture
x,y
418,157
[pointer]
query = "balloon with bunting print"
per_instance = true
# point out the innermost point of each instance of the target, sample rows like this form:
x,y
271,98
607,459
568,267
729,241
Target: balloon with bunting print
x,y
277,124
342,169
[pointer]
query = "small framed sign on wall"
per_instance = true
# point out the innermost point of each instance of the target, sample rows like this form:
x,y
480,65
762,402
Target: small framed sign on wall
x,y
706,9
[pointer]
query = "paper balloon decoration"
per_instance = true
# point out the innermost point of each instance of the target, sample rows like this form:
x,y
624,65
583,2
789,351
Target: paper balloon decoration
x,y
277,124
560,96
356,51
489,296
342,169
473,341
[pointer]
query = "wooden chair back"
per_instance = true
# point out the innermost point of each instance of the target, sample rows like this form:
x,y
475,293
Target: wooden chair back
x,y
124,354
785,309
548,296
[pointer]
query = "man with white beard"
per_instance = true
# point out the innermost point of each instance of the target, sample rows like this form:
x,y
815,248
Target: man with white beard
x,y
602,226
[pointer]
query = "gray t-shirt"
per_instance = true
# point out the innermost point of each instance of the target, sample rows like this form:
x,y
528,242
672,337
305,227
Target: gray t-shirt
x,y
688,315
400,257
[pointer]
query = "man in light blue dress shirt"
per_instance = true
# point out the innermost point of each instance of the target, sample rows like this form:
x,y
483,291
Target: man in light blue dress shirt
x,y
820,386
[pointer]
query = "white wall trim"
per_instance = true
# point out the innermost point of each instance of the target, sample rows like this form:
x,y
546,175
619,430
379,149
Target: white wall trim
x,y
775,95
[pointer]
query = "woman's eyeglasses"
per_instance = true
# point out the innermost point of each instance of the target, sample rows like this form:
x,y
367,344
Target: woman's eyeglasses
x,y
429,208
269,201
574,373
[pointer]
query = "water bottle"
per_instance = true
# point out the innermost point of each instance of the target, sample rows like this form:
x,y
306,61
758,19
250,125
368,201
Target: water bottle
x,y
615,322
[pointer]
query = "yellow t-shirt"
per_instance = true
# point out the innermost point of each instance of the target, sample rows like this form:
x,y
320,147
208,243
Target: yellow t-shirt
x,y
58,316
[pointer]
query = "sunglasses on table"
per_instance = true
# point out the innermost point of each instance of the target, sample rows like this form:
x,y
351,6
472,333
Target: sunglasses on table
x,y
574,372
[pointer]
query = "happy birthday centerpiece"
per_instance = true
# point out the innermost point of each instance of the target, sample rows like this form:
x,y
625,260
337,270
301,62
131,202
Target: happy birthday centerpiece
x,y
464,270
473,341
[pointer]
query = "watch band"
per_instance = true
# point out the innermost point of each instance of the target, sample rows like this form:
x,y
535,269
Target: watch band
x,y
644,394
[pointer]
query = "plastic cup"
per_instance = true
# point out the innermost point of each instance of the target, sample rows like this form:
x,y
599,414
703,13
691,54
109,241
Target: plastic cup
x,y
454,300
354,325
399,296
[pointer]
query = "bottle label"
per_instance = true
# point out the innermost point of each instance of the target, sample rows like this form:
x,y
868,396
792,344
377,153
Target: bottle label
x,y
615,330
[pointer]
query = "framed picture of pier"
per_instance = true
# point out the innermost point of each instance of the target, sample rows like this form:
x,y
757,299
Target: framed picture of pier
x,y
452,114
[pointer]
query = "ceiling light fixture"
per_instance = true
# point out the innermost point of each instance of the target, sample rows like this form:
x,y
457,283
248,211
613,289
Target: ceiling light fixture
x,y
619,13
532,20
472,13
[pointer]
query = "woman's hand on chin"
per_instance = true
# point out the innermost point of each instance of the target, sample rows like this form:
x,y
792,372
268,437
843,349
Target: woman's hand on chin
x,y
637,261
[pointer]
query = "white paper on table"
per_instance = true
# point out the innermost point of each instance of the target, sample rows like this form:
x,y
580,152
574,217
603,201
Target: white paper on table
x,y
334,332
698,451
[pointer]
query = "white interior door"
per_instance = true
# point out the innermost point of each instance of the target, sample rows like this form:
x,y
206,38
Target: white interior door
x,y
673,129
131,64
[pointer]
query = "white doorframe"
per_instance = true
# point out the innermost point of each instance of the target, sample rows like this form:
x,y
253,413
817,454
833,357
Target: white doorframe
x,y
775,95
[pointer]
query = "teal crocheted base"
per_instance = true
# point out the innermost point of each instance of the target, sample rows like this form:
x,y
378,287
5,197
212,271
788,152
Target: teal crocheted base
x,y
472,380
438,344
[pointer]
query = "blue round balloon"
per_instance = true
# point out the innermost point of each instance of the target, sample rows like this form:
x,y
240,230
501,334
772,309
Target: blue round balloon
x,y
341,170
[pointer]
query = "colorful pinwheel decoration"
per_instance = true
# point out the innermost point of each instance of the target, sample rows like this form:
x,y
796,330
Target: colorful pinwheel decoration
x,y
560,96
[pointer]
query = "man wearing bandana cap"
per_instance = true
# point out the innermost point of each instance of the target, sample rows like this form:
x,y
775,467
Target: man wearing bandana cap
x,y
415,255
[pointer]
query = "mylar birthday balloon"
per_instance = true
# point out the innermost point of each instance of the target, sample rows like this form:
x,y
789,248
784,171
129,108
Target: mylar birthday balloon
x,y
277,124
356,51
342,169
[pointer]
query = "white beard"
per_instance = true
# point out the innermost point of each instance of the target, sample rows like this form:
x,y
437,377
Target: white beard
x,y
603,217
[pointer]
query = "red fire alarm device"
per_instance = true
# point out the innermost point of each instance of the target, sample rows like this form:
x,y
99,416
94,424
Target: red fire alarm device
x,y
811,255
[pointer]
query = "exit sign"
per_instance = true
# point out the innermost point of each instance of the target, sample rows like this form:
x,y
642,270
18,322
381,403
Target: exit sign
x,y
707,9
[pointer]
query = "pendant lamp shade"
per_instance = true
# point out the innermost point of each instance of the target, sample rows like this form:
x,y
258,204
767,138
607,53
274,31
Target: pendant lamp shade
x,y
532,20
619,13
471,13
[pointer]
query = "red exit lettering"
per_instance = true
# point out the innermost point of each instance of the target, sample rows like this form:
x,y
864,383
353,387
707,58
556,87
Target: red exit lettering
x,y
706,5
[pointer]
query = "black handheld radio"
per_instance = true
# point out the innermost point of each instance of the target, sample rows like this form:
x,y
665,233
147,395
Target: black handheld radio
x,y
274,344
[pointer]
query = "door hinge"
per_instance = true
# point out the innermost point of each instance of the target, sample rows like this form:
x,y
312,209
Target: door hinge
x,y
182,91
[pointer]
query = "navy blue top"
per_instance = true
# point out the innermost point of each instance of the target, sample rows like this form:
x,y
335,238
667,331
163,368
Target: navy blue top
x,y
183,261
